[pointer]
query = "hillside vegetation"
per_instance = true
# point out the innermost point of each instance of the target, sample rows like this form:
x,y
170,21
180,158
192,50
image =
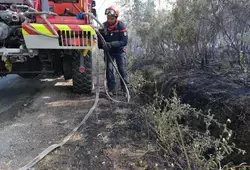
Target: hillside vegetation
x,y
187,65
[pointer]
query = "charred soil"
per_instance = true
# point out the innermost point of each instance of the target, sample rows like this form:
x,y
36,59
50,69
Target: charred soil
x,y
113,138
226,98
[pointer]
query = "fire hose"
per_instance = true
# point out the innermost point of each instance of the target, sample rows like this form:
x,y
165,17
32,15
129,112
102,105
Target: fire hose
x,y
68,137
123,81
109,56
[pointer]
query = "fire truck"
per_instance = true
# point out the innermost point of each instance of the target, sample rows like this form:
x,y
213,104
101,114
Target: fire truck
x,y
48,37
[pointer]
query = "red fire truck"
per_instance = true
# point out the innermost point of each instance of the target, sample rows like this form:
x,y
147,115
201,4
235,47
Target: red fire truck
x,y
48,37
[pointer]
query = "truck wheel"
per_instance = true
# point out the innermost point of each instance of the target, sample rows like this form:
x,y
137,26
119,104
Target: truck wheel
x,y
82,82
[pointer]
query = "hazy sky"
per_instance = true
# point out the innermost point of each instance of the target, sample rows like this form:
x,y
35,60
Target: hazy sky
x,y
102,4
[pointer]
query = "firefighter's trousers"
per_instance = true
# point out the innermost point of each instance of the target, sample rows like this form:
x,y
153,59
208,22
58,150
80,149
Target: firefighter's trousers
x,y
120,60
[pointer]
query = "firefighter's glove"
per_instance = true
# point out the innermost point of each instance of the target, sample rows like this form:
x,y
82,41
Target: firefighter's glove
x,y
115,44
107,46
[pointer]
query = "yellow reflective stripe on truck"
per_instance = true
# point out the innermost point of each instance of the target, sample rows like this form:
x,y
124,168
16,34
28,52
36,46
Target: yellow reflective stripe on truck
x,y
42,28
87,28
63,27
24,32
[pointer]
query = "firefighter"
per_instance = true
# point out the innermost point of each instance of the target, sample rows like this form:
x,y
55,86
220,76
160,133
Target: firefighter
x,y
115,34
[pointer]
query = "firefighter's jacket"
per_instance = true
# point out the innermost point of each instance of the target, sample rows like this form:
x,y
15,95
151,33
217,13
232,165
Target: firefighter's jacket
x,y
117,34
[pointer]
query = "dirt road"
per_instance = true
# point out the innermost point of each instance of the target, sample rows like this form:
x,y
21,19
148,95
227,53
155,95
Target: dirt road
x,y
13,91
35,114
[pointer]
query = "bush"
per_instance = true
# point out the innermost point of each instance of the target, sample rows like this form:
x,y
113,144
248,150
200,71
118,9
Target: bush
x,y
183,146
203,34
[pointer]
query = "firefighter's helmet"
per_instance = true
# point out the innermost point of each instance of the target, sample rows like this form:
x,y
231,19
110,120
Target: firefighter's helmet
x,y
112,11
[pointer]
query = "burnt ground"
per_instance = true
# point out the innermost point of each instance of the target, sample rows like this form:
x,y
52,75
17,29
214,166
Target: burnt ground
x,y
227,98
113,138
34,115
39,114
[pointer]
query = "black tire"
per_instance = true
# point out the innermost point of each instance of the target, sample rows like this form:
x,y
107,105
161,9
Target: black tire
x,y
82,82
